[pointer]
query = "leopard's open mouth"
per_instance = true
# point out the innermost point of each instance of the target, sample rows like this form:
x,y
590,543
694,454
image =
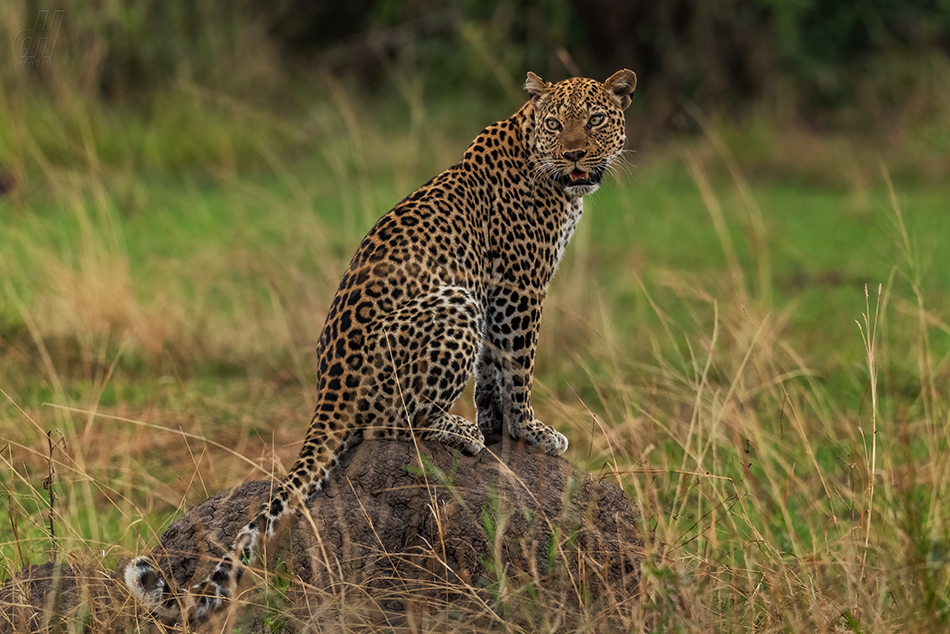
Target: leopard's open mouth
x,y
579,177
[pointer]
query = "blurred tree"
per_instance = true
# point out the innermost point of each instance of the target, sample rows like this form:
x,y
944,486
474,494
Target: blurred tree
x,y
724,54
812,57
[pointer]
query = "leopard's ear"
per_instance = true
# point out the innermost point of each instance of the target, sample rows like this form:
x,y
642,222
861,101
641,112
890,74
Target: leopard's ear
x,y
620,86
536,86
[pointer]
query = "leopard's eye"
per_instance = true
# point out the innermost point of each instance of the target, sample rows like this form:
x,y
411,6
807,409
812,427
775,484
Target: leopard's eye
x,y
552,124
596,119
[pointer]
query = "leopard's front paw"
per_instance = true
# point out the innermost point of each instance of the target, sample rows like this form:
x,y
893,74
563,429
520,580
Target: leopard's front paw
x,y
545,437
554,443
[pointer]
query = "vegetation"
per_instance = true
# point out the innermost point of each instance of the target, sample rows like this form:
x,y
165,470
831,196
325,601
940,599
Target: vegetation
x,y
749,332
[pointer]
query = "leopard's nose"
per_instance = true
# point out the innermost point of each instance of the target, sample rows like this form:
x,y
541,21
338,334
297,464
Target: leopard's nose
x,y
575,155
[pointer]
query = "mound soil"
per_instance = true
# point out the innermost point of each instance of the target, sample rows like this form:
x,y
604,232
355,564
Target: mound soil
x,y
403,527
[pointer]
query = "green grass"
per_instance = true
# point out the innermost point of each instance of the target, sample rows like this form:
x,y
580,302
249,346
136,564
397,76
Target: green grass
x,y
160,306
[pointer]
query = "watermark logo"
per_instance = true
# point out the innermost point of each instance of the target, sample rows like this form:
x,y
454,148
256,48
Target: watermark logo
x,y
35,46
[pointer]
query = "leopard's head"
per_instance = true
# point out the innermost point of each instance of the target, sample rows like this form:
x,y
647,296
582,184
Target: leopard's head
x,y
578,128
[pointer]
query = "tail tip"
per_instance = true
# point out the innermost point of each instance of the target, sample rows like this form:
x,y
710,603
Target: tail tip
x,y
147,584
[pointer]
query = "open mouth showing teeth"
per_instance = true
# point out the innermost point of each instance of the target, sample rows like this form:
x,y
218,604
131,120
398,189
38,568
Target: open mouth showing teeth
x,y
580,177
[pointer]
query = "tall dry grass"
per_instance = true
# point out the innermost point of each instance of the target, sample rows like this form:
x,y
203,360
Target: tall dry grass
x,y
782,507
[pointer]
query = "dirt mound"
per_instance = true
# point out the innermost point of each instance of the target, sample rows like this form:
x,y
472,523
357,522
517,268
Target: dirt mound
x,y
56,597
405,527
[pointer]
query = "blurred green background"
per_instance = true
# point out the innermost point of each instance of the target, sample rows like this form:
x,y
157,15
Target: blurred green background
x,y
182,184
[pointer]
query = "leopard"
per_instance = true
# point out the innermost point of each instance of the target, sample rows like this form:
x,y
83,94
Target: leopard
x,y
446,285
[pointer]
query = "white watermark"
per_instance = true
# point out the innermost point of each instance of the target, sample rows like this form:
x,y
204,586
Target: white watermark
x,y
35,46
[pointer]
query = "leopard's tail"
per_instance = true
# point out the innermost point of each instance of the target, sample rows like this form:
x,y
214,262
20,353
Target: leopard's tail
x,y
308,476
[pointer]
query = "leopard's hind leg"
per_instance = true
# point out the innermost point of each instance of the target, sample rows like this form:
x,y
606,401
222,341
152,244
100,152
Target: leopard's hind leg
x,y
428,348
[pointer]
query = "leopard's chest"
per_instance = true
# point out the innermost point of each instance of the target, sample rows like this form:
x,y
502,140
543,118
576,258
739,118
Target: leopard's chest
x,y
572,215
527,238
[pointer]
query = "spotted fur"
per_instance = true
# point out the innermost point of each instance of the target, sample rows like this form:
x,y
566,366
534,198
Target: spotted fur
x,y
449,282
